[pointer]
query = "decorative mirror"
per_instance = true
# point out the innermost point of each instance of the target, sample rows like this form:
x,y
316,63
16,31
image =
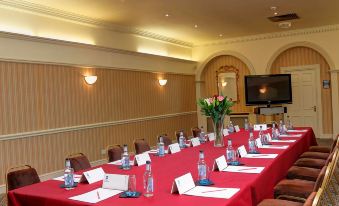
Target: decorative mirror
x,y
227,82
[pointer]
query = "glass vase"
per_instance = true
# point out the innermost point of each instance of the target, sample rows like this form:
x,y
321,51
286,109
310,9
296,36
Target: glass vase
x,y
218,126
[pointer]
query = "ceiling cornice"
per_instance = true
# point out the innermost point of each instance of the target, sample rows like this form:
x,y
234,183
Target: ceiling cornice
x,y
57,13
87,46
273,35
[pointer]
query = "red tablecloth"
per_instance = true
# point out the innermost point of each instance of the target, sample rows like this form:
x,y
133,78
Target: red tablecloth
x,y
253,187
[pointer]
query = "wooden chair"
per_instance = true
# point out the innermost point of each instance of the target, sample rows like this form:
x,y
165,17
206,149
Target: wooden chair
x,y
114,152
312,200
305,169
320,152
141,146
297,189
316,162
79,161
325,149
196,131
177,134
20,176
167,141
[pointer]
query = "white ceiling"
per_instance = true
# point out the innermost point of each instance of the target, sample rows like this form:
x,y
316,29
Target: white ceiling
x,y
231,18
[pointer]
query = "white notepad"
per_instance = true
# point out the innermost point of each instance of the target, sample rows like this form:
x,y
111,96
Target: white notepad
x,y
273,147
286,141
185,185
243,169
261,156
96,195
295,130
221,165
214,192
290,135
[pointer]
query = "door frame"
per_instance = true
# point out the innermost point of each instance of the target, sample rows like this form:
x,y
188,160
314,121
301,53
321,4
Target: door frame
x,y
319,113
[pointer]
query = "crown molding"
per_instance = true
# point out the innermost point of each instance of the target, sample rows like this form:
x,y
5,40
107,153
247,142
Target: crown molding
x,y
88,46
297,32
57,13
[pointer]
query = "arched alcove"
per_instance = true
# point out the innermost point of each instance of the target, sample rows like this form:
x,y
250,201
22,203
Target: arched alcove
x,y
208,82
300,56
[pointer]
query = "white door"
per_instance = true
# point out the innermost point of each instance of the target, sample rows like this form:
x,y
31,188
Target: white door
x,y
305,109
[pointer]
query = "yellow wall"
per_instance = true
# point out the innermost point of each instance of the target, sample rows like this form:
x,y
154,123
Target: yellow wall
x,y
210,85
43,97
299,56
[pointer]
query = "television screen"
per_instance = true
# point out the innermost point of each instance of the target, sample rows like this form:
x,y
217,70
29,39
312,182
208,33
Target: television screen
x,y
268,89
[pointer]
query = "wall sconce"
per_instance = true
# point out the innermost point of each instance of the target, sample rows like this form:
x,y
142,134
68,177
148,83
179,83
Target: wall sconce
x,y
223,84
91,79
162,82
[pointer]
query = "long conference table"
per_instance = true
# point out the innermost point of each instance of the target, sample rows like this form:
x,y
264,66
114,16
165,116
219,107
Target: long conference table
x,y
253,187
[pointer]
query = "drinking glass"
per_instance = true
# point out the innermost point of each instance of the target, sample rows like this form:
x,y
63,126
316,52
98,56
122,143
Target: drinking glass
x,y
132,183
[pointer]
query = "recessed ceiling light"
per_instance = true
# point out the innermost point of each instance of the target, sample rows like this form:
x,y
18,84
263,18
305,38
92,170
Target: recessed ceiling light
x,y
220,35
273,8
196,26
275,13
167,15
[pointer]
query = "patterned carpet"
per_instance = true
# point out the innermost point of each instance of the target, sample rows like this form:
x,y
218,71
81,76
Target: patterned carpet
x,y
2,200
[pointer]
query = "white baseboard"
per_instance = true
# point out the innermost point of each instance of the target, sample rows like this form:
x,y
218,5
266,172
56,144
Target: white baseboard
x,y
57,173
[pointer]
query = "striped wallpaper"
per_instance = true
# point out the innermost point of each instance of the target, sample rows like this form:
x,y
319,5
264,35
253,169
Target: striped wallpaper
x,y
210,84
298,56
40,97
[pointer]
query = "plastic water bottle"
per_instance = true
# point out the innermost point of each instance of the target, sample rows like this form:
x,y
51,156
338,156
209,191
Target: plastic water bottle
x,y
262,136
230,152
68,175
125,159
252,146
202,167
161,147
246,125
281,127
148,181
289,123
181,140
202,135
230,127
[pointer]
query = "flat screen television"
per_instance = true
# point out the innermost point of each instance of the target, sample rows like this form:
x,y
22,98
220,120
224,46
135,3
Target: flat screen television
x,y
268,89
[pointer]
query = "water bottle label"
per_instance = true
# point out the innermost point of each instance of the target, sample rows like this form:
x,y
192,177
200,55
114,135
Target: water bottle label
x,y
150,184
161,150
202,172
229,155
69,181
181,143
125,162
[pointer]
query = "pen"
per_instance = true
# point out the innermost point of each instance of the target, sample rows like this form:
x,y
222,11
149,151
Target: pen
x,y
214,190
253,168
98,194
261,155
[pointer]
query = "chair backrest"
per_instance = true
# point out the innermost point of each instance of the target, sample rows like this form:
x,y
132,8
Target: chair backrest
x,y
114,152
20,176
196,131
79,161
177,134
167,141
310,199
322,177
141,146
317,197
335,144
